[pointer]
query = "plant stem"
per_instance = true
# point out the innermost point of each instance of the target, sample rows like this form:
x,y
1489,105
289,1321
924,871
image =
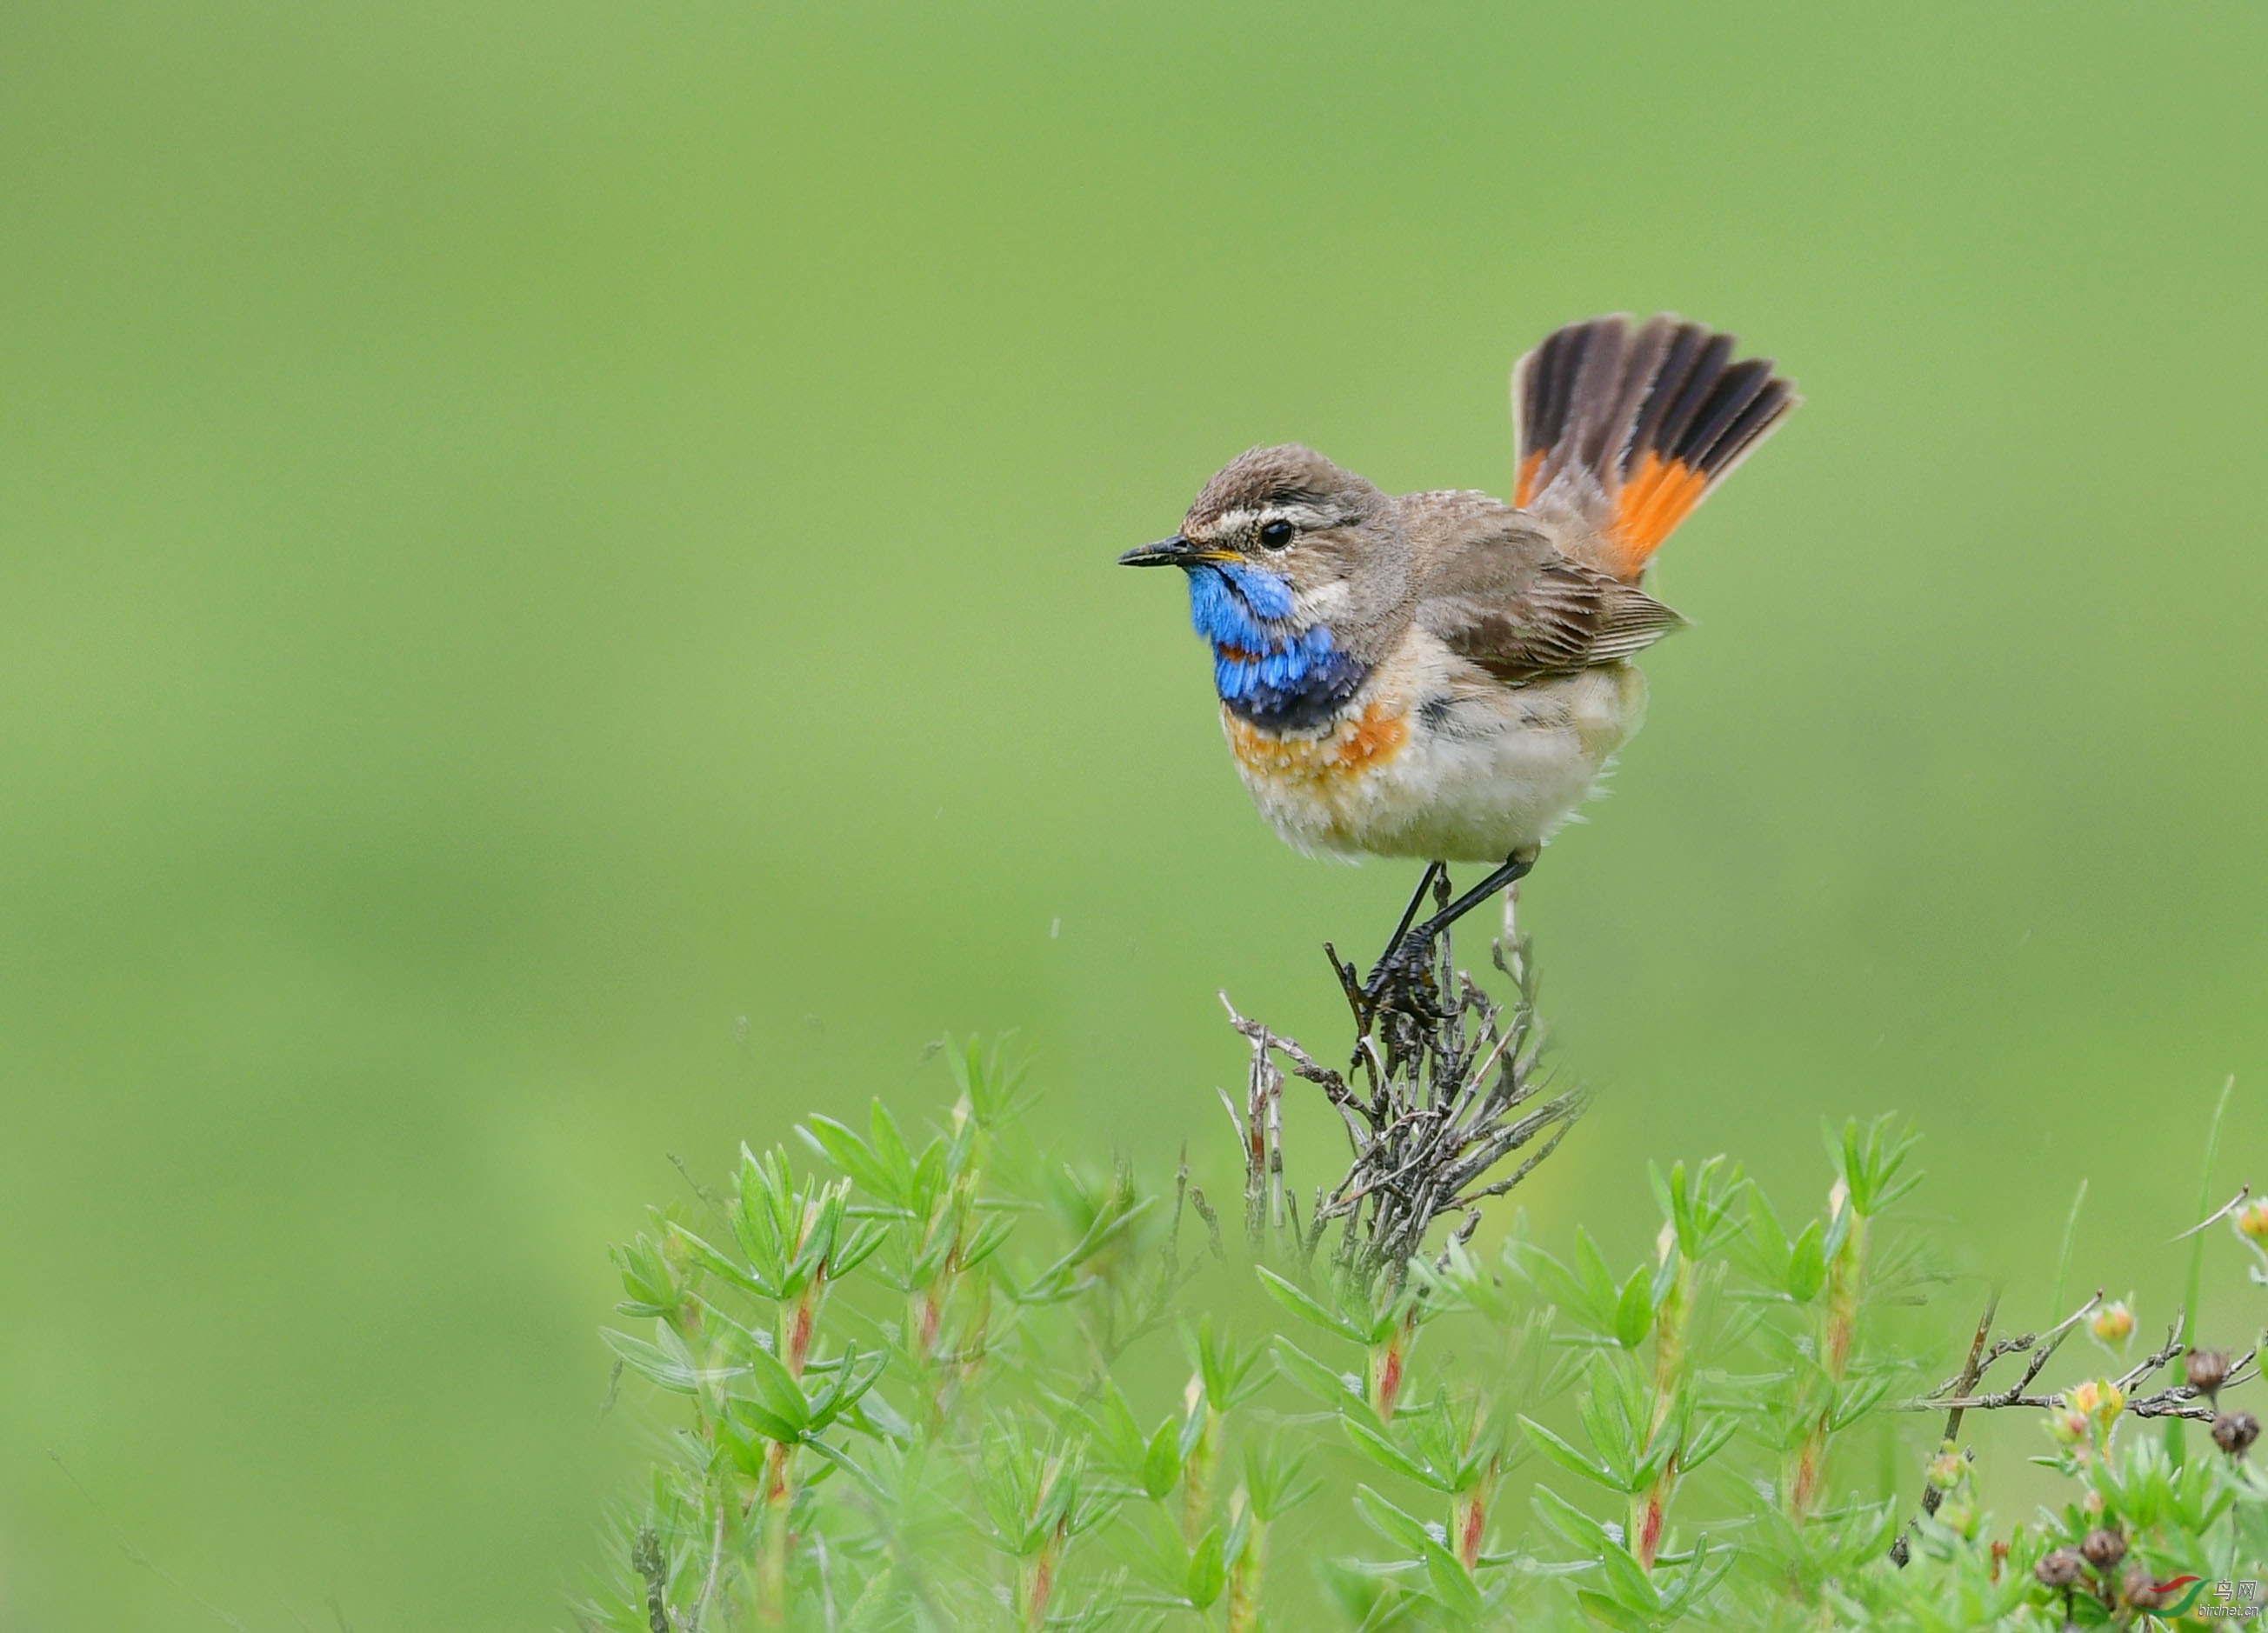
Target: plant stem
x,y
1244,1579
799,1319
1650,1515
1468,1524
1838,1329
1387,1361
1036,1580
1197,1473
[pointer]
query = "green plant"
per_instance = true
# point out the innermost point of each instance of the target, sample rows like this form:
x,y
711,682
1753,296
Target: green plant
x,y
947,1382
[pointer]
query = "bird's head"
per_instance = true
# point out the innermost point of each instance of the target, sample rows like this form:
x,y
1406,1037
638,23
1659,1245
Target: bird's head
x,y
1282,541
1299,579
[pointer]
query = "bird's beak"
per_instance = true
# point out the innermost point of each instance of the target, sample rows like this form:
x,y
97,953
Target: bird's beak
x,y
1174,551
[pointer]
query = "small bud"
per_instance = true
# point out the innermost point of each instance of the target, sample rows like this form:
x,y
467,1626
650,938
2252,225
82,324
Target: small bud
x,y
2059,1568
2091,1504
1946,1469
2207,1371
2113,1323
2068,1426
2102,1549
2234,1432
2139,1589
2252,1220
2097,1397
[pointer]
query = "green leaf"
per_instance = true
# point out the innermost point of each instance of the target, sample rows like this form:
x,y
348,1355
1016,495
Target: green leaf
x,y
1705,1570
1599,1608
819,1240
1306,1307
647,1278
769,1424
721,1263
855,1158
1397,1527
777,1392
1714,1434
1625,1581
1807,1265
1838,1231
1381,1449
1855,1400
1272,1476
1161,1463
876,1416
1554,1281
1232,1375
863,1240
985,1241
1670,1202
660,1367
849,1382
842,1460
929,1180
1207,1573
1599,1289
1567,1457
1634,1310
889,1149
1768,1242
936,1249
1332,1388
1574,1526
1451,1586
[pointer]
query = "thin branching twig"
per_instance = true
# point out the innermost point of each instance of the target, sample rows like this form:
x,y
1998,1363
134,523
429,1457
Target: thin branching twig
x,y
1449,1090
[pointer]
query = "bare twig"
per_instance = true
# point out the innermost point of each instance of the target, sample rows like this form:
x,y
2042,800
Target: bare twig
x,y
1212,1220
2174,1400
1932,1494
1451,1090
2220,1213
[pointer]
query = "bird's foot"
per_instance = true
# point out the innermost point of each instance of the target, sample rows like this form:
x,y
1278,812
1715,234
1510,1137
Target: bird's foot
x,y
1403,978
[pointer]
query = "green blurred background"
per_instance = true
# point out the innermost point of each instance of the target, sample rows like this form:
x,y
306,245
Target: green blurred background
x,y
555,608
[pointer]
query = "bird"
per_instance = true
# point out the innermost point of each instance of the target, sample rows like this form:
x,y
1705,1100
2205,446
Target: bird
x,y
1443,675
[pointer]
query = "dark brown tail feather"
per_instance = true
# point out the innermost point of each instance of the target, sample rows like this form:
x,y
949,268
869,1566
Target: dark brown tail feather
x,y
1654,418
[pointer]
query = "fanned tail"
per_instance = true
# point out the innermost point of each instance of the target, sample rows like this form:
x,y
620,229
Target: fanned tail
x,y
1628,429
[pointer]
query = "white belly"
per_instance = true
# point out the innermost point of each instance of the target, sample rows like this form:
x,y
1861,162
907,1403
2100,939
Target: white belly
x,y
1486,771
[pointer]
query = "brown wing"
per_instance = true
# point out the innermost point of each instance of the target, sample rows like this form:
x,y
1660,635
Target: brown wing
x,y
1498,591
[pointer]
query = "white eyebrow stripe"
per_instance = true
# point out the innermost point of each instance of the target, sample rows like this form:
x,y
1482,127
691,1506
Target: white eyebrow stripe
x,y
1248,518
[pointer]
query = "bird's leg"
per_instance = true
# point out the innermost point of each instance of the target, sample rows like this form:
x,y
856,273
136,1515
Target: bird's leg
x,y
1433,870
1361,995
1407,953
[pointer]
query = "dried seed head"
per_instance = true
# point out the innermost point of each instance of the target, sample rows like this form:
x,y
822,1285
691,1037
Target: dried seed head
x,y
2102,1549
2113,1323
2207,1369
2059,1568
2234,1432
2139,1588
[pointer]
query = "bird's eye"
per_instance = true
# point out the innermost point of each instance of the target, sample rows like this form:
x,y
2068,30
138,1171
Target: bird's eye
x,y
1276,535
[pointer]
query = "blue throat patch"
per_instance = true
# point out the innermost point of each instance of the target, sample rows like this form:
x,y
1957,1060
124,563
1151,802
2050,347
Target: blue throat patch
x,y
1267,670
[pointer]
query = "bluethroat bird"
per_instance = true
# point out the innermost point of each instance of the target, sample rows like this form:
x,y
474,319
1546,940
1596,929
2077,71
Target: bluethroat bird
x,y
1441,675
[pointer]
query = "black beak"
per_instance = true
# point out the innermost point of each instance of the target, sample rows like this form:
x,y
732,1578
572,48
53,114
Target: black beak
x,y
1174,551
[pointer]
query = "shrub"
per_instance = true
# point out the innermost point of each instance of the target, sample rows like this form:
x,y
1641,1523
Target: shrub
x,y
912,1382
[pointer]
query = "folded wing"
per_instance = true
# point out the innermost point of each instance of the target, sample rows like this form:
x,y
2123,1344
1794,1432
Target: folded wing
x,y
1499,593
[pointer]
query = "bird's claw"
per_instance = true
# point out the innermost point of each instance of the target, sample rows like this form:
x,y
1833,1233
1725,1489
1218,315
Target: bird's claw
x,y
1402,977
